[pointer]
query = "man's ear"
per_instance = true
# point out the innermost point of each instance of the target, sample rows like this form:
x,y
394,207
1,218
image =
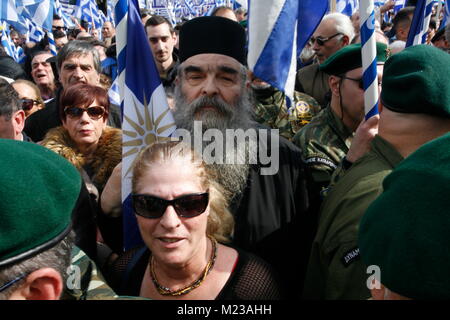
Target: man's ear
x,y
42,284
18,122
334,82
345,40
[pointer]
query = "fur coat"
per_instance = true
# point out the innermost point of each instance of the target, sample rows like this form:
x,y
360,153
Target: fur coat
x,y
101,163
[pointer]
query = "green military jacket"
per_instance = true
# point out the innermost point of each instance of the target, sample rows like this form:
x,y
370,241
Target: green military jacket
x,y
271,110
334,269
324,142
85,282
313,82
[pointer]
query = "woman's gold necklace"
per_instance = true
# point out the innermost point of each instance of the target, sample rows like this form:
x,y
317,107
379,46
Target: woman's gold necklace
x,y
167,292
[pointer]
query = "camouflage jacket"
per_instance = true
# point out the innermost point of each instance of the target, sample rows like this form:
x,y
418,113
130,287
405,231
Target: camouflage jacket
x,y
85,282
271,110
324,142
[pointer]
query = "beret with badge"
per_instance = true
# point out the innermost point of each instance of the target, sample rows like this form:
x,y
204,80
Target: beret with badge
x,y
212,34
405,231
39,191
349,58
416,80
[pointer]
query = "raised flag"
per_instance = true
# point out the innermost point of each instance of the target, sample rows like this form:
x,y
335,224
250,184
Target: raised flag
x,y
347,7
419,25
146,114
278,31
38,11
399,4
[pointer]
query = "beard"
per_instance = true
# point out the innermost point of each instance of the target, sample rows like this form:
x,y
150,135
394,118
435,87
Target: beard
x,y
215,113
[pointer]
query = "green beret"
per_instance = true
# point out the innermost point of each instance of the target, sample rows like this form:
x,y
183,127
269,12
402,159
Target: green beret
x,y
416,80
212,34
39,190
406,230
349,58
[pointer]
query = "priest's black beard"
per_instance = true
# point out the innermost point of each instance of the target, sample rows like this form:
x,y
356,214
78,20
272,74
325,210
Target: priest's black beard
x,y
233,177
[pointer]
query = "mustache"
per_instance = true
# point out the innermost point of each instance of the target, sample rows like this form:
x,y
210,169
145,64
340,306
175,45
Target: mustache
x,y
215,102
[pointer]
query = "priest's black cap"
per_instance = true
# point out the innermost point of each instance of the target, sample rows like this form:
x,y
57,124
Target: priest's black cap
x,y
212,35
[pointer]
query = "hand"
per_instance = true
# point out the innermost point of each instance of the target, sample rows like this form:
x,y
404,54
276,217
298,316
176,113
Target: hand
x,y
387,6
364,134
111,198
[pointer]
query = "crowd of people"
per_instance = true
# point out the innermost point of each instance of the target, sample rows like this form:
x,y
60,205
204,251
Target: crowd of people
x,y
348,196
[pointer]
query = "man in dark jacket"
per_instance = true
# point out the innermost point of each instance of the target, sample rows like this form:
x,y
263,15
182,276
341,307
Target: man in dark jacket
x,y
269,196
78,61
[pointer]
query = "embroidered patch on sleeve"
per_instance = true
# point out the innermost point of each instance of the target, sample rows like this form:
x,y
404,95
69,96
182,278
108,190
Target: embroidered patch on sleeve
x,y
320,160
350,256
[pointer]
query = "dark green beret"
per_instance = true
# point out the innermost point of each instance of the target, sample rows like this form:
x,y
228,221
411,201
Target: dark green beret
x,y
406,230
212,35
349,58
416,80
39,190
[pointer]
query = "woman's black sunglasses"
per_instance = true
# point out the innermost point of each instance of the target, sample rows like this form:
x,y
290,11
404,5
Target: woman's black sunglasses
x,y
186,206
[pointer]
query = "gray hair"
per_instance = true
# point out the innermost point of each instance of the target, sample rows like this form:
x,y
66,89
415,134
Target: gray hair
x,y
78,47
57,257
10,100
343,24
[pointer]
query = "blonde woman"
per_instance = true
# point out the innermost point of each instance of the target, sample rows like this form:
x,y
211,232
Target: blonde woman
x,y
184,221
30,96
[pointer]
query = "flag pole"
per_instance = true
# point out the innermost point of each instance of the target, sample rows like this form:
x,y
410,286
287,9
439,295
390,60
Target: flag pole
x,y
333,5
369,60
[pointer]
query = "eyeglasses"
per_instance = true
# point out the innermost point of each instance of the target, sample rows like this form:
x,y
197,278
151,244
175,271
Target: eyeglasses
x,y
12,282
27,104
360,81
94,112
59,28
186,206
321,41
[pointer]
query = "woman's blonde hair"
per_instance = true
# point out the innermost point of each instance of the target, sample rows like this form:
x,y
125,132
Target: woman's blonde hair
x,y
220,220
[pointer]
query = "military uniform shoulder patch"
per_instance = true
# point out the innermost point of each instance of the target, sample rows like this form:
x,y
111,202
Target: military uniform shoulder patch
x,y
320,160
350,256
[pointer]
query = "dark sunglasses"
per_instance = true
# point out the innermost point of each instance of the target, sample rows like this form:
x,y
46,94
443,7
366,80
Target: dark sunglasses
x,y
27,104
186,206
94,112
321,41
59,28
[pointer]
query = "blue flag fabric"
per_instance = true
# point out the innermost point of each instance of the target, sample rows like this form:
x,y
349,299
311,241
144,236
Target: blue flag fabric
x,y
146,114
347,7
278,31
420,22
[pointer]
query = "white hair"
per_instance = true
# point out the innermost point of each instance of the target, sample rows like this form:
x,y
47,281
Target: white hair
x,y
343,24
397,46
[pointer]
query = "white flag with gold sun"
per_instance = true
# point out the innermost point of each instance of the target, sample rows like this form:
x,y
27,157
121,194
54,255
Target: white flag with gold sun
x,y
146,114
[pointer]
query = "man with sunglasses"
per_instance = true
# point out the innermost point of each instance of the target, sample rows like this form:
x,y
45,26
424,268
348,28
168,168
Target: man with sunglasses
x,y
327,138
77,62
414,108
58,24
334,32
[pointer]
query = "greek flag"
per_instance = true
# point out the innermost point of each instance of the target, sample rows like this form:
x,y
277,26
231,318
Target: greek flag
x,y
278,31
240,4
38,11
146,115
35,33
190,5
347,7
419,25
87,10
399,4
63,15
12,15
446,14
6,41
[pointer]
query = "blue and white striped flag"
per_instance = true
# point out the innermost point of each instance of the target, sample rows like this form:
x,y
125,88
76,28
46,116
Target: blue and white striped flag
x,y
87,10
278,31
35,33
419,25
347,7
12,15
63,15
146,114
6,41
38,11
399,4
